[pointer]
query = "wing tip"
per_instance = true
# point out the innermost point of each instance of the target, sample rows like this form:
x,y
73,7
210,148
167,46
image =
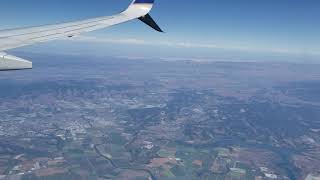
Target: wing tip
x,y
147,19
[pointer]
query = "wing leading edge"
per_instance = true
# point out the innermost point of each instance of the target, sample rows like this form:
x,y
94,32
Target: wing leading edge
x,y
14,38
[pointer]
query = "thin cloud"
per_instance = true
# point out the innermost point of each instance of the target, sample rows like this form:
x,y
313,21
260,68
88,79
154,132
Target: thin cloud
x,y
134,41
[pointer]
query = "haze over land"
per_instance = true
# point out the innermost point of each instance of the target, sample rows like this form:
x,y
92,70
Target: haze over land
x,y
100,118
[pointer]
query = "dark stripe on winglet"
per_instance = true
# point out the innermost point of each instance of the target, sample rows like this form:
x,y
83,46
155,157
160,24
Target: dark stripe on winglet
x,y
143,1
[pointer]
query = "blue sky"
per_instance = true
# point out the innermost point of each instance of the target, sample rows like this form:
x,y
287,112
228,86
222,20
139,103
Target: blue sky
x,y
202,29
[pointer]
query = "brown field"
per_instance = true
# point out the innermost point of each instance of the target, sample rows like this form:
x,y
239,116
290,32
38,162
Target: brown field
x,y
50,171
166,163
197,162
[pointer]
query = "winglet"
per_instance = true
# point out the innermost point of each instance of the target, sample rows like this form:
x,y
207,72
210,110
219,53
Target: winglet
x,y
147,19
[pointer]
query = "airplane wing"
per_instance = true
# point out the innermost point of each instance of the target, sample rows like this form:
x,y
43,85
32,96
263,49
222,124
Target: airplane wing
x,y
13,38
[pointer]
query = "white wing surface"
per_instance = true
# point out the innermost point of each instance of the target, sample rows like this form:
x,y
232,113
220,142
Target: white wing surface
x,y
14,38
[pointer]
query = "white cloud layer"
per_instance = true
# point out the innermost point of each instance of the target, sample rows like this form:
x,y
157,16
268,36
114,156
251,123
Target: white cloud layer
x,y
134,41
